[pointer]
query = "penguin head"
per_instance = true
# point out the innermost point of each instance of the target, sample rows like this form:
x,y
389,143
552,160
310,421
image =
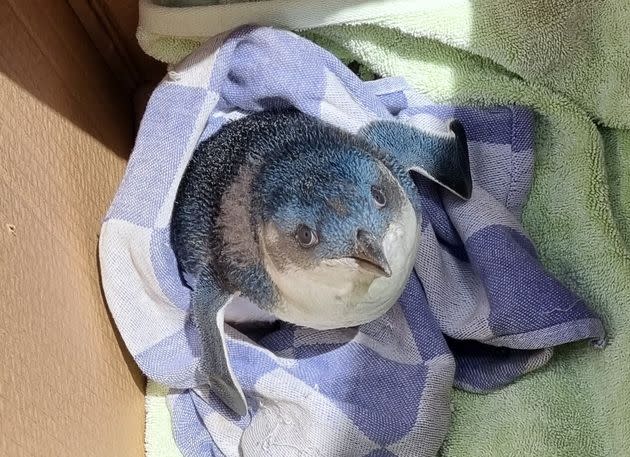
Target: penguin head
x,y
336,230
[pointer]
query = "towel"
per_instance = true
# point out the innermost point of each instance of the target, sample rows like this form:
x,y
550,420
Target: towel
x,y
478,312
570,62
158,431
169,30
579,49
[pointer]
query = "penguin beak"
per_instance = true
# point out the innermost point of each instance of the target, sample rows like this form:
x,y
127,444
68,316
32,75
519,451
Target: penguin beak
x,y
369,254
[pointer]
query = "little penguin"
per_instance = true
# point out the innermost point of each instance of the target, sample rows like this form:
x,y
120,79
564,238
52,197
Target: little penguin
x,y
316,226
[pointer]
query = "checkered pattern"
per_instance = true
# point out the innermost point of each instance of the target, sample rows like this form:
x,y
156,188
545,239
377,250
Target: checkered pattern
x,y
478,311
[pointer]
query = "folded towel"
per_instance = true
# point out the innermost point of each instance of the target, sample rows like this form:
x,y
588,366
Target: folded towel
x,y
169,30
569,61
158,433
578,49
478,312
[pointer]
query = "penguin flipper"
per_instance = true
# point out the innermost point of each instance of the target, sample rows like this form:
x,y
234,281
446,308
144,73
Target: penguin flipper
x,y
442,158
208,308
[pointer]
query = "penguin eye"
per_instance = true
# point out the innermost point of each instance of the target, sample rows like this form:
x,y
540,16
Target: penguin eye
x,y
378,196
306,236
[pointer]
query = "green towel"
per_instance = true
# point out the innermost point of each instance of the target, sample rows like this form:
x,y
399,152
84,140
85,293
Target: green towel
x,y
158,434
570,61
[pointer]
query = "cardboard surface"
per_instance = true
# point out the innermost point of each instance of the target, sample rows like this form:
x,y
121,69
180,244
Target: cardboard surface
x,y
67,386
111,24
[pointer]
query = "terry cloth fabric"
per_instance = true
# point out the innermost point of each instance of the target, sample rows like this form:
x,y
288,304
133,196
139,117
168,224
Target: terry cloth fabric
x,y
478,312
158,430
169,30
570,62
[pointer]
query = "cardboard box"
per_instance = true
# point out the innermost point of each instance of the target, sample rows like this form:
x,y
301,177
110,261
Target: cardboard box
x,y
69,74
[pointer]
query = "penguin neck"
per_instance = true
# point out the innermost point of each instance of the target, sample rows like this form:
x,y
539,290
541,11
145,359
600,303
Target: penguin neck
x,y
235,216
239,255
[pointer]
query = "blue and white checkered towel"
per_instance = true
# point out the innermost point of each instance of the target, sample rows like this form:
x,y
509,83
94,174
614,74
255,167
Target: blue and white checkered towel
x,y
478,312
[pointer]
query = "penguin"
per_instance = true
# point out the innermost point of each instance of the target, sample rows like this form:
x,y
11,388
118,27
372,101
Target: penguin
x,y
314,225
